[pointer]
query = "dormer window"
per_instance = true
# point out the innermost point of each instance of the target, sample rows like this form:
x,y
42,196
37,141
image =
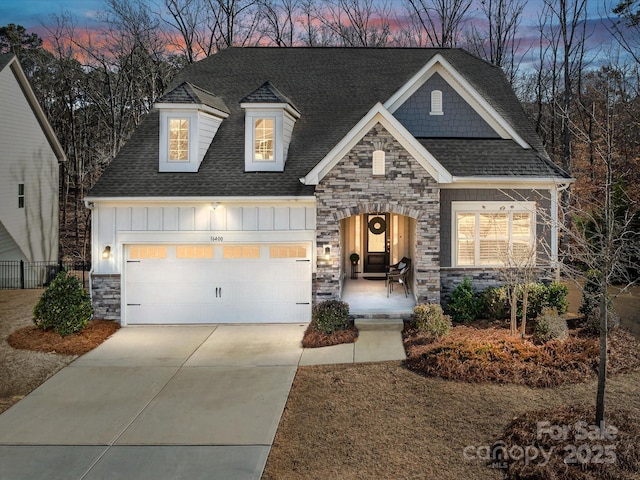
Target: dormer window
x,y
269,121
436,103
189,119
178,139
264,140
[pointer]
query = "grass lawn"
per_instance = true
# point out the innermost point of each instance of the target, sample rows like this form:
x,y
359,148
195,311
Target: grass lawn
x,y
383,421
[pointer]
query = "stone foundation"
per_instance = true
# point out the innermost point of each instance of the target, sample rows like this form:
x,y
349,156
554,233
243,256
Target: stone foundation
x,y
106,295
450,278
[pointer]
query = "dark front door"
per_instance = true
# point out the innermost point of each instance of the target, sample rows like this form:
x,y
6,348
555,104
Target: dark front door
x,y
377,244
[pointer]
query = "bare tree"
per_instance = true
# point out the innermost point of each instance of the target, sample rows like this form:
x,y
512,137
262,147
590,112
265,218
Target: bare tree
x,y
280,21
625,27
441,20
499,43
356,23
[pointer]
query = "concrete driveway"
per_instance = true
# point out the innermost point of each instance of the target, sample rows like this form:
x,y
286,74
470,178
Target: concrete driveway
x,y
157,403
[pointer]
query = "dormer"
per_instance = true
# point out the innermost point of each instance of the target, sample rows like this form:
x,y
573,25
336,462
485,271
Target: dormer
x,y
189,119
269,121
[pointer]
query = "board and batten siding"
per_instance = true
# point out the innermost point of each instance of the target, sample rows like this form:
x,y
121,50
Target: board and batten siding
x,y
114,224
26,157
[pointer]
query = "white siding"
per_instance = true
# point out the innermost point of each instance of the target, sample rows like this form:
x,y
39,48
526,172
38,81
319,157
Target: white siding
x,y
207,128
26,157
182,222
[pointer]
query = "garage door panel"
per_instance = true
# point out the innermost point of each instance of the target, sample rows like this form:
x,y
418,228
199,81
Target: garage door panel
x,y
170,293
152,314
217,290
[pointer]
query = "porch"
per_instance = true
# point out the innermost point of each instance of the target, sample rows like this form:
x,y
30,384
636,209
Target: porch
x,y
368,299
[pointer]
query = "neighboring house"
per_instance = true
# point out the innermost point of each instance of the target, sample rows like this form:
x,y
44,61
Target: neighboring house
x,y
242,195
29,172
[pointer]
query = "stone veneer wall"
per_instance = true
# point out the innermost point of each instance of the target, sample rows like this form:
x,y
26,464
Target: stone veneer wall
x,y
480,279
351,189
105,294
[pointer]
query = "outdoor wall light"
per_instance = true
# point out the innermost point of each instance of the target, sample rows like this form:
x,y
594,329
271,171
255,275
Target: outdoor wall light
x,y
106,253
327,252
214,205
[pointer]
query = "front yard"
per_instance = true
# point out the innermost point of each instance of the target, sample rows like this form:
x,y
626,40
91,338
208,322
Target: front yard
x,y
373,420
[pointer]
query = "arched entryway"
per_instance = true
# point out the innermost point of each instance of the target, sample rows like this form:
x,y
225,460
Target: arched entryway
x,y
379,239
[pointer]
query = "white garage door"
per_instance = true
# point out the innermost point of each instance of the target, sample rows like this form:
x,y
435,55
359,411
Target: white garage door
x,y
180,284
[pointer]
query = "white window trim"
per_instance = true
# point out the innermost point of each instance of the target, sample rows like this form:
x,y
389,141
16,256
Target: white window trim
x,y
190,165
274,141
436,103
252,164
487,207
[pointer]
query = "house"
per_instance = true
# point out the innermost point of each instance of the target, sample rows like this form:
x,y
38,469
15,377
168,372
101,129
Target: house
x,y
29,157
241,197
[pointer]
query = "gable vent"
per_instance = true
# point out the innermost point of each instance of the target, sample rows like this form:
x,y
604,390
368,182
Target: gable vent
x,y
378,162
436,103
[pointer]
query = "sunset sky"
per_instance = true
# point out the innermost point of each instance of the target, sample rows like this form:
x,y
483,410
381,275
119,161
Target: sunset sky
x,y
32,14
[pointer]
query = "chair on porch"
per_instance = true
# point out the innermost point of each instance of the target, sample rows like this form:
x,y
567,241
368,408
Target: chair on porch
x,y
400,277
396,267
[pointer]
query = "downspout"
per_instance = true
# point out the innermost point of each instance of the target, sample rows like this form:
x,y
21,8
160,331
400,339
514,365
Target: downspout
x,y
90,206
555,191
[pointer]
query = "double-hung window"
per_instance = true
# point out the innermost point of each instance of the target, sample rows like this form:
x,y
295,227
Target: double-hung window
x,y
21,195
263,139
178,139
493,233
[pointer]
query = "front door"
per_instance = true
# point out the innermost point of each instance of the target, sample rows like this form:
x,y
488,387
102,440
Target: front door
x,y
377,243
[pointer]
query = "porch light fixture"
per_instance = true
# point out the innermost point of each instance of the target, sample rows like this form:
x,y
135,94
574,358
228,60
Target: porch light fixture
x,y
106,253
327,252
214,205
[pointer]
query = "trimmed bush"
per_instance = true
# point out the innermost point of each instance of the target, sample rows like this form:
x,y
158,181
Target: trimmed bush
x,y
495,303
495,300
591,323
550,326
429,318
64,307
330,316
464,304
557,297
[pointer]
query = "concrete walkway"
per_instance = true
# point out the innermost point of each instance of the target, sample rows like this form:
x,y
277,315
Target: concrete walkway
x,y
193,402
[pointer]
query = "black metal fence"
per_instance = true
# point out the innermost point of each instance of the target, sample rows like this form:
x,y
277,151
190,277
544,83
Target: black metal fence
x,y
18,274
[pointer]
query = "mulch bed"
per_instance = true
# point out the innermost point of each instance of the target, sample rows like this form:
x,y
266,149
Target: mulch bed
x,y
32,338
490,354
314,339
609,455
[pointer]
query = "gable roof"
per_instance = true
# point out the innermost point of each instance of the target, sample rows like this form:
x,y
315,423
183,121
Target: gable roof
x,y
266,93
185,93
9,60
332,88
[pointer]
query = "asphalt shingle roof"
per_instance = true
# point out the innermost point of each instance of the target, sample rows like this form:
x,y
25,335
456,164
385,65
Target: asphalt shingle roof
x,y
332,88
187,93
266,93
473,157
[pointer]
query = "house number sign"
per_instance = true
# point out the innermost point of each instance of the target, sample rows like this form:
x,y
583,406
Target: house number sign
x,y
217,239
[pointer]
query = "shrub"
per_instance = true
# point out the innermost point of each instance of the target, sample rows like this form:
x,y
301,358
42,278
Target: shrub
x,y
590,307
549,325
557,297
464,304
495,303
330,316
537,299
64,307
430,319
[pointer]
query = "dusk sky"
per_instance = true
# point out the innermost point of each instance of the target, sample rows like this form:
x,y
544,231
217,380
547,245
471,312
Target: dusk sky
x,y
33,13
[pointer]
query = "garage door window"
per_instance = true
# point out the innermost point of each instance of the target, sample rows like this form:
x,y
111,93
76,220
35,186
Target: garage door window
x,y
137,252
241,251
194,251
288,251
